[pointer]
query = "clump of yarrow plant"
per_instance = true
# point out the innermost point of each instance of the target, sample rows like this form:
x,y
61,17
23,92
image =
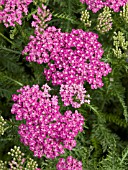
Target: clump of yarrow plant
x,y
72,59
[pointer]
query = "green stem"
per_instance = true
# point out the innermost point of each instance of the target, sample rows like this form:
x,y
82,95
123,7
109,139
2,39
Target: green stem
x,y
21,31
93,109
17,82
34,12
10,139
69,13
124,157
102,106
106,94
10,123
9,50
6,38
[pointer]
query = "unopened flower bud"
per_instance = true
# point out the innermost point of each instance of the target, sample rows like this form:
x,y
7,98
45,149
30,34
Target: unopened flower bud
x,y
120,44
104,22
85,18
2,125
124,13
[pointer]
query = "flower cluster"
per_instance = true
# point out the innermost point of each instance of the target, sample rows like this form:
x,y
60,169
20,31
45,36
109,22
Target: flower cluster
x,y
43,15
85,18
104,20
19,162
18,159
3,165
124,13
72,57
12,11
73,94
120,45
96,5
69,164
2,125
46,131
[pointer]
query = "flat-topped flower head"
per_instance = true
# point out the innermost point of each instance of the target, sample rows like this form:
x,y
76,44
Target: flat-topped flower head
x,y
32,102
46,131
72,58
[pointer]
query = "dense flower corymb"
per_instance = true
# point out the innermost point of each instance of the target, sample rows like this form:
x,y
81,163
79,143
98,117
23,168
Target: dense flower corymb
x,y
12,11
46,131
72,57
96,5
69,164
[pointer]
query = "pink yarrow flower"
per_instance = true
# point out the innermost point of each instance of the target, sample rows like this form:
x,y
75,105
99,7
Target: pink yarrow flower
x,y
96,5
13,11
69,164
72,58
47,131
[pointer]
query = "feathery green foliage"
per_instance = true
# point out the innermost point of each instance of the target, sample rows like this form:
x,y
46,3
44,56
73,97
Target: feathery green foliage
x,y
103,145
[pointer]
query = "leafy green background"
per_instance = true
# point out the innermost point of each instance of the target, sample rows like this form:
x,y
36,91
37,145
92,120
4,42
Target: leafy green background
x,y
103,144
